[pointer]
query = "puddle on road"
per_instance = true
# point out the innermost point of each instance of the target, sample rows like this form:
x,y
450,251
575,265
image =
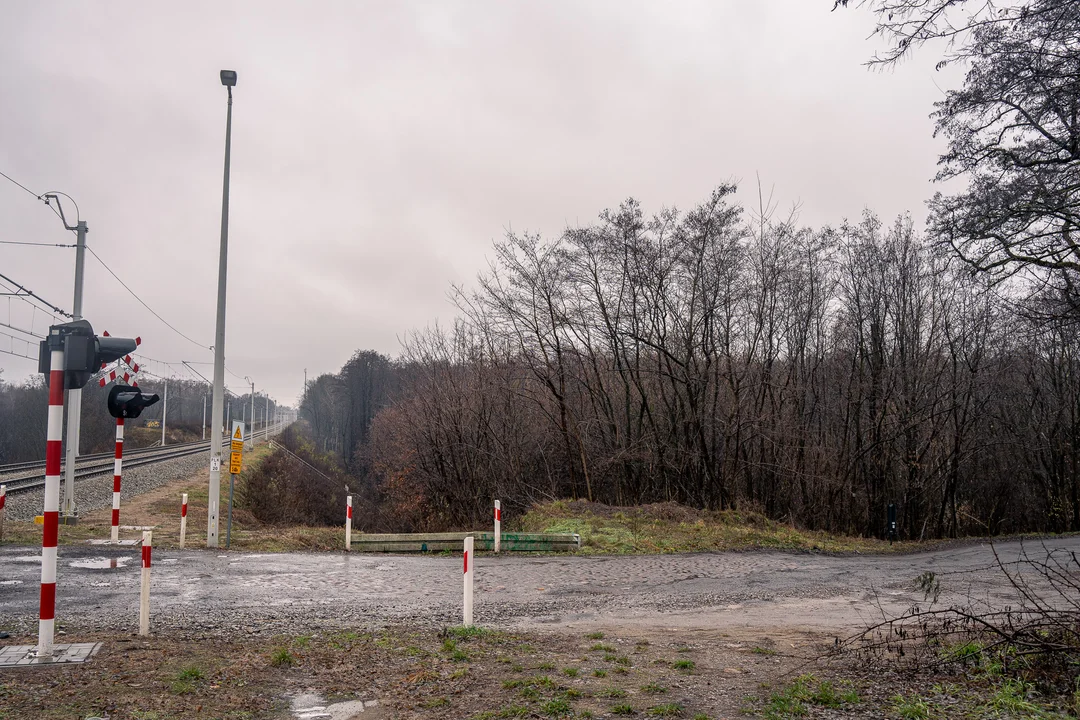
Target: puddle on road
x,y
312,706
100,563
10,582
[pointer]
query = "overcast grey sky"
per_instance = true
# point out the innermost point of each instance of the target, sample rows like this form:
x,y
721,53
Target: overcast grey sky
x,y
379,148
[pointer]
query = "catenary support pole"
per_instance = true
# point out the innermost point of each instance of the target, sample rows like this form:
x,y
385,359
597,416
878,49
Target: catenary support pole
x,y
348,523
467,619
74,396
3,500
214,500
203,417
118,463
183,518
144,590
498,525
228,525
165,412
51,520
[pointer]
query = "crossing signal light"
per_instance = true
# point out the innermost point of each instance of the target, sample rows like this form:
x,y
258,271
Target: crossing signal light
x,y
128,402
84,352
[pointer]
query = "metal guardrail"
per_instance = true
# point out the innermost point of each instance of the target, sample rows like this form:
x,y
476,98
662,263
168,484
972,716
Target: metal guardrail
x,y
436,542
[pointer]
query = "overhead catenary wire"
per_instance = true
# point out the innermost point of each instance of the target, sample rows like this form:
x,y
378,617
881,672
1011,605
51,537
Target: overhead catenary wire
x,y
38,244
143,302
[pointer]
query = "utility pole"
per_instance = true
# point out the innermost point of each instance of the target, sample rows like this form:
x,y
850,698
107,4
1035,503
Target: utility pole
x,y
204,416
228,79
164,412
74,395
252,430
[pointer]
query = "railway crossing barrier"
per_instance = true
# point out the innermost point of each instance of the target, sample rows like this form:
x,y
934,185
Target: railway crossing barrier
x,y
435,542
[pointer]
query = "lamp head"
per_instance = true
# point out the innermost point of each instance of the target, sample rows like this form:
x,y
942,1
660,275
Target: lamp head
x,y
228,78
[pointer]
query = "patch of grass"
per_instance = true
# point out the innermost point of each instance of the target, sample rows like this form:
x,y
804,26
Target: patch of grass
x,y
595,636
623,709
601,647
622,660
684,665
669,527
302,641
611,693
911,708
433,703
684,648
609,657
768,652
517,667
701,716
573,694
187,680
1010,699
513,684
557,708
620,670
965,652
546,666
530,693
282,658
653,689
571,672
599,672
467,633
459,673
449,645
459,656
666,710
542,681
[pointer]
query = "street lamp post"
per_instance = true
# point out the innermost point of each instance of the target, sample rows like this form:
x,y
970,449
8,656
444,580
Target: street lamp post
x,y
228,79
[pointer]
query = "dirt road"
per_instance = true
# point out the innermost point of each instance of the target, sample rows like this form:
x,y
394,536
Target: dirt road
x,y
204,591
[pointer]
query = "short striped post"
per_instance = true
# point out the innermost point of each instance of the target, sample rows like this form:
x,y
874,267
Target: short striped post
x,y
467,619
348,523
144,595
51,512
183,518
117,464
3,500
498,525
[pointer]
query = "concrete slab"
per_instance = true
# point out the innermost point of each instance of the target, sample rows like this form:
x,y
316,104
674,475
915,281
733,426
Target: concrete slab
x,y
26,655
118,542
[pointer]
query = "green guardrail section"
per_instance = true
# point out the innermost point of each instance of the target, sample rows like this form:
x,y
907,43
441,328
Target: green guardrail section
x,y
437,542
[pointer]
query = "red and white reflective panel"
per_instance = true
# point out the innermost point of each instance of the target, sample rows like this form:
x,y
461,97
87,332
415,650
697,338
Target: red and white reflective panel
x,y
118,462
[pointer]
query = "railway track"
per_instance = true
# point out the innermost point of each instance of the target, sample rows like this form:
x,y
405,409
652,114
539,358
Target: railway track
x,y
101,463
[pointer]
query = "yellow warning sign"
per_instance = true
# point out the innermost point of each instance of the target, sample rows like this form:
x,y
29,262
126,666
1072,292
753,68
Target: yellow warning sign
x,y
237,446
236,461
239,434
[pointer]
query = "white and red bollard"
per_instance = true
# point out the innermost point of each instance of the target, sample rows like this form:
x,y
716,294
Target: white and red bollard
x,y
3,500
498,525
348,523
183,518
144,594
51,512
467,619
117,464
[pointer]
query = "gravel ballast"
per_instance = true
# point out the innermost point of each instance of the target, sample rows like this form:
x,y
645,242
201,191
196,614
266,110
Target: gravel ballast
x,y
95,493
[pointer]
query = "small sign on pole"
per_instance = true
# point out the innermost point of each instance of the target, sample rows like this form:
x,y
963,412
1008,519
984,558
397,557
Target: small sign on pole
x,y
236,462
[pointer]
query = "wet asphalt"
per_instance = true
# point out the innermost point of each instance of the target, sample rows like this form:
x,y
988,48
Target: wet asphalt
x,y
205,591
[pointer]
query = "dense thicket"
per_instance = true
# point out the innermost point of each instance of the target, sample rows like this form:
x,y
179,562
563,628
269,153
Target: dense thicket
x,y
724,361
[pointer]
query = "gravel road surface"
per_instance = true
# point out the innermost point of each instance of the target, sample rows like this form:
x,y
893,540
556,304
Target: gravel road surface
x,y
203,591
